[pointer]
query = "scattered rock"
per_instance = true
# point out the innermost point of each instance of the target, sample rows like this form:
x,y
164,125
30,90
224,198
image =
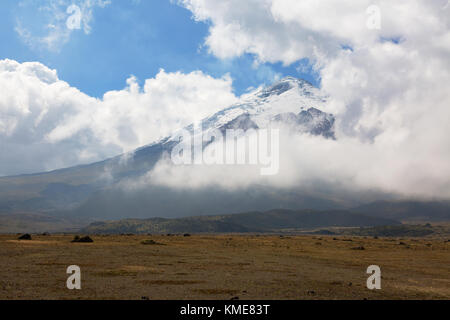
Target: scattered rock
x,y
311,293
25,236
85,239
145,298
150,242
325,232
350,284
359,248
186,235
235,298
404,244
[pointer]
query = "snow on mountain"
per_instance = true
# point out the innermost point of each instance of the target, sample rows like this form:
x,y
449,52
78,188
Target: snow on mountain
x,y
290,101
312,121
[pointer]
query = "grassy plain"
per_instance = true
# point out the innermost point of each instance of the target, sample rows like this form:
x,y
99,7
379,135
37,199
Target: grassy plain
x,y
224,267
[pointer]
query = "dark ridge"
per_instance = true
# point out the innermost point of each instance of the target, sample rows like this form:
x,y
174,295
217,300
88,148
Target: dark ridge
x,y
270,221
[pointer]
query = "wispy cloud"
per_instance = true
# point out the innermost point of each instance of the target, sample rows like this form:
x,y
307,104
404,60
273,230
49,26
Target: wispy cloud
x,y
54,21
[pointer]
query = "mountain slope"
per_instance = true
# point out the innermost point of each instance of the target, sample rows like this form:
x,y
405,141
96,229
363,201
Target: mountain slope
x,y
92,191
407,210
88,190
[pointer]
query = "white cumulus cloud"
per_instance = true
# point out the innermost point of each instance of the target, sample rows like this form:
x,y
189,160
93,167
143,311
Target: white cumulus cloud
x,y
47,124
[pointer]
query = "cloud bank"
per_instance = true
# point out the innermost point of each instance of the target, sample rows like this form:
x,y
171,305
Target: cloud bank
x,y
46,124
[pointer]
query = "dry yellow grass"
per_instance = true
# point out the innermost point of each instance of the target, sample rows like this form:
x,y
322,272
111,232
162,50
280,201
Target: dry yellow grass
x,y
224,266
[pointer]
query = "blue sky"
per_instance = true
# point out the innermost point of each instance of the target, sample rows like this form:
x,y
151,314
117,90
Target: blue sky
x,y
130,38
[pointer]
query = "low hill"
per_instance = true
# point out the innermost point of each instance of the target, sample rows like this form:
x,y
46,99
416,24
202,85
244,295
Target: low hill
x,y
25,222
270,221
408,231
407,210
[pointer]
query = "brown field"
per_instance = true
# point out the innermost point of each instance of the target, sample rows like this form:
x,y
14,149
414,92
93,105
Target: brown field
x,y
223,267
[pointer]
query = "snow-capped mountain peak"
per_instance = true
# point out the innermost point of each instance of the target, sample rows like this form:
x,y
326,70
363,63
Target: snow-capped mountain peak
x,y
290,101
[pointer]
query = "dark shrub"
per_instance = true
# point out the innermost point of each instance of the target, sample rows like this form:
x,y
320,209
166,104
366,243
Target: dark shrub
x,y
25,236
150,242
85,239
